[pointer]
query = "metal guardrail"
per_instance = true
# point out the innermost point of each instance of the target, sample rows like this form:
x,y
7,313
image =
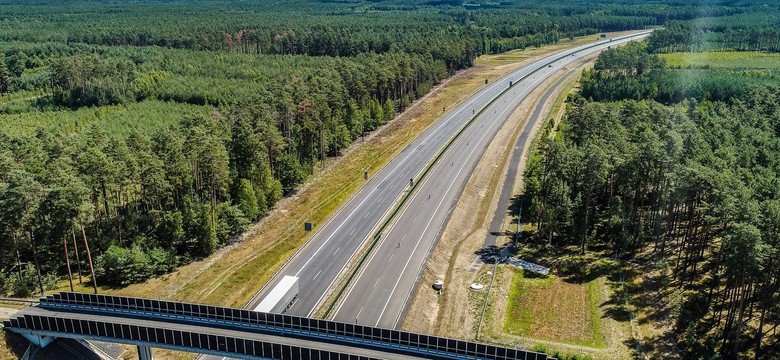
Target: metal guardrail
x,y
446,147
169,338
17,300
353,335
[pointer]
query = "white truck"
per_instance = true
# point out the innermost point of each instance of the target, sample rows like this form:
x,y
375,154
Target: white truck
x,y
281,297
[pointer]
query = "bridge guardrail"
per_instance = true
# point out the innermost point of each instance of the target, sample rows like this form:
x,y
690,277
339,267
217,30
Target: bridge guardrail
x,y
169,338
301,327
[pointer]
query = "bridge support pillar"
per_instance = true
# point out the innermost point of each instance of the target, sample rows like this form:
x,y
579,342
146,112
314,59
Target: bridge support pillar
x,y
38,340
144,353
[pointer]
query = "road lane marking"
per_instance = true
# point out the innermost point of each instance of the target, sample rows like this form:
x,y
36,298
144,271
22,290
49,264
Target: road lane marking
x,y
454,179
369,196
352,232
337,250
377,281
315,276
490,92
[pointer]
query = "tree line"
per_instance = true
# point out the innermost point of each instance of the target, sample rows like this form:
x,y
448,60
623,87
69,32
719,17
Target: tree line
x,y
751,30
318,28
633,73
691,187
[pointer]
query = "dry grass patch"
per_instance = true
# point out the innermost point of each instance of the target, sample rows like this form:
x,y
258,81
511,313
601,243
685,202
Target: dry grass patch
x,y
552,309
13,345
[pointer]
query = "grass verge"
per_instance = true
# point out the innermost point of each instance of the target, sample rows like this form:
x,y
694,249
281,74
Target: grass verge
x,y
13,345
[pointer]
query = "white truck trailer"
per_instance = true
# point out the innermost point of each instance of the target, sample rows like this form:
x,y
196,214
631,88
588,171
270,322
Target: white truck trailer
x,y
281,297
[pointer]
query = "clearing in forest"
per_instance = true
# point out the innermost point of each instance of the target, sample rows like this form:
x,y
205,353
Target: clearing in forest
x,y
19,118
724,60
550,308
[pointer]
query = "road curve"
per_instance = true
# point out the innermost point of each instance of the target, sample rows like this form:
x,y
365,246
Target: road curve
x,y
319,262
379,294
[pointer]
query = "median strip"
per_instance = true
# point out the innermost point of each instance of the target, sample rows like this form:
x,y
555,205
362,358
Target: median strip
x,y
430,165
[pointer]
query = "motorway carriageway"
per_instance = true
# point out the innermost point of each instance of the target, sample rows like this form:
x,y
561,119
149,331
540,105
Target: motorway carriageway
x,y
379,294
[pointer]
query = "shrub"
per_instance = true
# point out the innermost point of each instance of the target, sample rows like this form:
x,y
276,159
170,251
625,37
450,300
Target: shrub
x,y
28,283
121,266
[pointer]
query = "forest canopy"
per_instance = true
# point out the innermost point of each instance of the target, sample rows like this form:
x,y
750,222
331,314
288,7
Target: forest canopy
x,y
150,133
691,188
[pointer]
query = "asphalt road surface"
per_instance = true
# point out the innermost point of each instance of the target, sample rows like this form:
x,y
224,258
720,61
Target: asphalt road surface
x,y
509,183
379,294
319,262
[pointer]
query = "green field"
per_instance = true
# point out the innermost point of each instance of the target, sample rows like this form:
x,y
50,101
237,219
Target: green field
x,y
555,310
118,120
723,60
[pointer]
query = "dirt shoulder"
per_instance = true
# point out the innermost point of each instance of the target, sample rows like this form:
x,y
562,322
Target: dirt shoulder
x,y
454,256
454,313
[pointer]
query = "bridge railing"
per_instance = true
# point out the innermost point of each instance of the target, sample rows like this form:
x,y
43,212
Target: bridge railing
x,y
236,346
349,334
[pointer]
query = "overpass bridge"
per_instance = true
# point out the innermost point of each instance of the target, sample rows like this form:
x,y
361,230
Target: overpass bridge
x,y
235,333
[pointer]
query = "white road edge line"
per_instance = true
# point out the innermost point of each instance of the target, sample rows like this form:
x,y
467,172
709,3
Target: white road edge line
x,y
473,149
463,107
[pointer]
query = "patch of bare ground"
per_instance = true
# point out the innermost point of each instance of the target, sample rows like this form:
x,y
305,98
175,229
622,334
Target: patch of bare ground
x,y
652,307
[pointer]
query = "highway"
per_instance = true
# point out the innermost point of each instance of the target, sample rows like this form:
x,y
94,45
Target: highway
x,y
507,189
392,271
379,294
